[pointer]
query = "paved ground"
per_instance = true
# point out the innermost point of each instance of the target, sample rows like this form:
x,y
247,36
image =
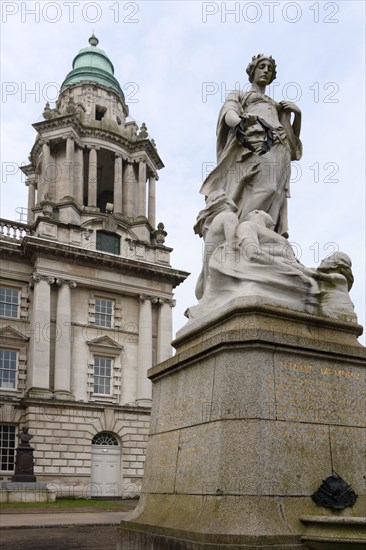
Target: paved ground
x,y
60,529
61,518
60,538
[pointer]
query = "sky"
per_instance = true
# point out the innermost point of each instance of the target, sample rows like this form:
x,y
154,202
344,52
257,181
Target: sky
x,y
176,61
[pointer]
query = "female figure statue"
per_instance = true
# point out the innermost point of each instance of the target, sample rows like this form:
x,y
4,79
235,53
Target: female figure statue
x,y
256,142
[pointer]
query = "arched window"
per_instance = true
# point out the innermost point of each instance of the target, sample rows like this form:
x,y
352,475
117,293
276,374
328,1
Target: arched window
x,y
104,438
108,242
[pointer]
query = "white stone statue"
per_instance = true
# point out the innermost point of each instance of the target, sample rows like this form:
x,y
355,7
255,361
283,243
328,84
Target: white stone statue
x,y
250,259
257,261
244,224
256,141
217,224
335,279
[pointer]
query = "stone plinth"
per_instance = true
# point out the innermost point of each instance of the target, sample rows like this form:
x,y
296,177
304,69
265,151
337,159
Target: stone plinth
x,y
26,492
258,407
24,465
334,533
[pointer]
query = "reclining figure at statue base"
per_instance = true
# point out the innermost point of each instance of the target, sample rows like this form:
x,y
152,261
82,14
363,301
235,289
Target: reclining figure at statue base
x,y
249,258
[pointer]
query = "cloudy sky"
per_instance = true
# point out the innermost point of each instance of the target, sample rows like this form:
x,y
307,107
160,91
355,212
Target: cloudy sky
x,y
176,60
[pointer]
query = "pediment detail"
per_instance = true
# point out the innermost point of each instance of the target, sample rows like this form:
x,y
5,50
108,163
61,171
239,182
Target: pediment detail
x,y
9,333
105,344
112,224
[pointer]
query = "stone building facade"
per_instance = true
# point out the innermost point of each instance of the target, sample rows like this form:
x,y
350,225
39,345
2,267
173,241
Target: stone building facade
x,y
86,291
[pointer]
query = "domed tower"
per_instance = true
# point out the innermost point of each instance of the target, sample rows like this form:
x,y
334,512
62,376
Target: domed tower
x,y
87,159
86,293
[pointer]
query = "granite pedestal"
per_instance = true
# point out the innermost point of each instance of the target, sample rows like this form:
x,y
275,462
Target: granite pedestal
x,y
24,465
257,408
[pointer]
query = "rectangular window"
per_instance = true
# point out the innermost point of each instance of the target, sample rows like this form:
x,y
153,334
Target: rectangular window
x,y
103,313
9,302
108,242
100,112
102,375
8,368
7,446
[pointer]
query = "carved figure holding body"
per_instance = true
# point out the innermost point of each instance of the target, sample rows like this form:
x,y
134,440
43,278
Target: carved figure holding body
x,y
217,224
258,262
271,257
256,142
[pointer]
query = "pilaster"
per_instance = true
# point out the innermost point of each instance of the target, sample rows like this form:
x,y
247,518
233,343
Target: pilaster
x,y
129,181
152,201
46,158
78,192
144,355
39,367
92,180
69,180
31,199
165,329
64,340
117,193
142,189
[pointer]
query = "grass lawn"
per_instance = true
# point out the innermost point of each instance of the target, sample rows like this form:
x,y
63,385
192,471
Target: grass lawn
x,y
106,505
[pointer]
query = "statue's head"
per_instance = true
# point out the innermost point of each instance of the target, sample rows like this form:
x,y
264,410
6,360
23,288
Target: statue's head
x,y
256,60
338,262
260,217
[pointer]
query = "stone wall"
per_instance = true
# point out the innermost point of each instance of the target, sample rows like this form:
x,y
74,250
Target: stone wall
x,y
62,438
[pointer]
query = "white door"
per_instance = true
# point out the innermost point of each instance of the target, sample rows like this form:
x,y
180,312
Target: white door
x,y
105,470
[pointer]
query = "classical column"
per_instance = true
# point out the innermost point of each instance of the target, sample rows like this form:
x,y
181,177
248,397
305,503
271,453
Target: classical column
x,y
129,183
165,329
78,192
39,365
63,340
142,189
151,204
92,182
144,352
117,191
46,169
69,180
31,200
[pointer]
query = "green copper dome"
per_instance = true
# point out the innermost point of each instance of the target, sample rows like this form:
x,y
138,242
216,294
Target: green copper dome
x,y
92,64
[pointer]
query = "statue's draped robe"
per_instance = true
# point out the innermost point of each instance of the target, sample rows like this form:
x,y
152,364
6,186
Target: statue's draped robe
x,y
255,182
263,265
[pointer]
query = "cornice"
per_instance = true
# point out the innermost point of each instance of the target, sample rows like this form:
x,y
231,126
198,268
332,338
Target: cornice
x,y
34,245
98,218
128,409
11,248
93,132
